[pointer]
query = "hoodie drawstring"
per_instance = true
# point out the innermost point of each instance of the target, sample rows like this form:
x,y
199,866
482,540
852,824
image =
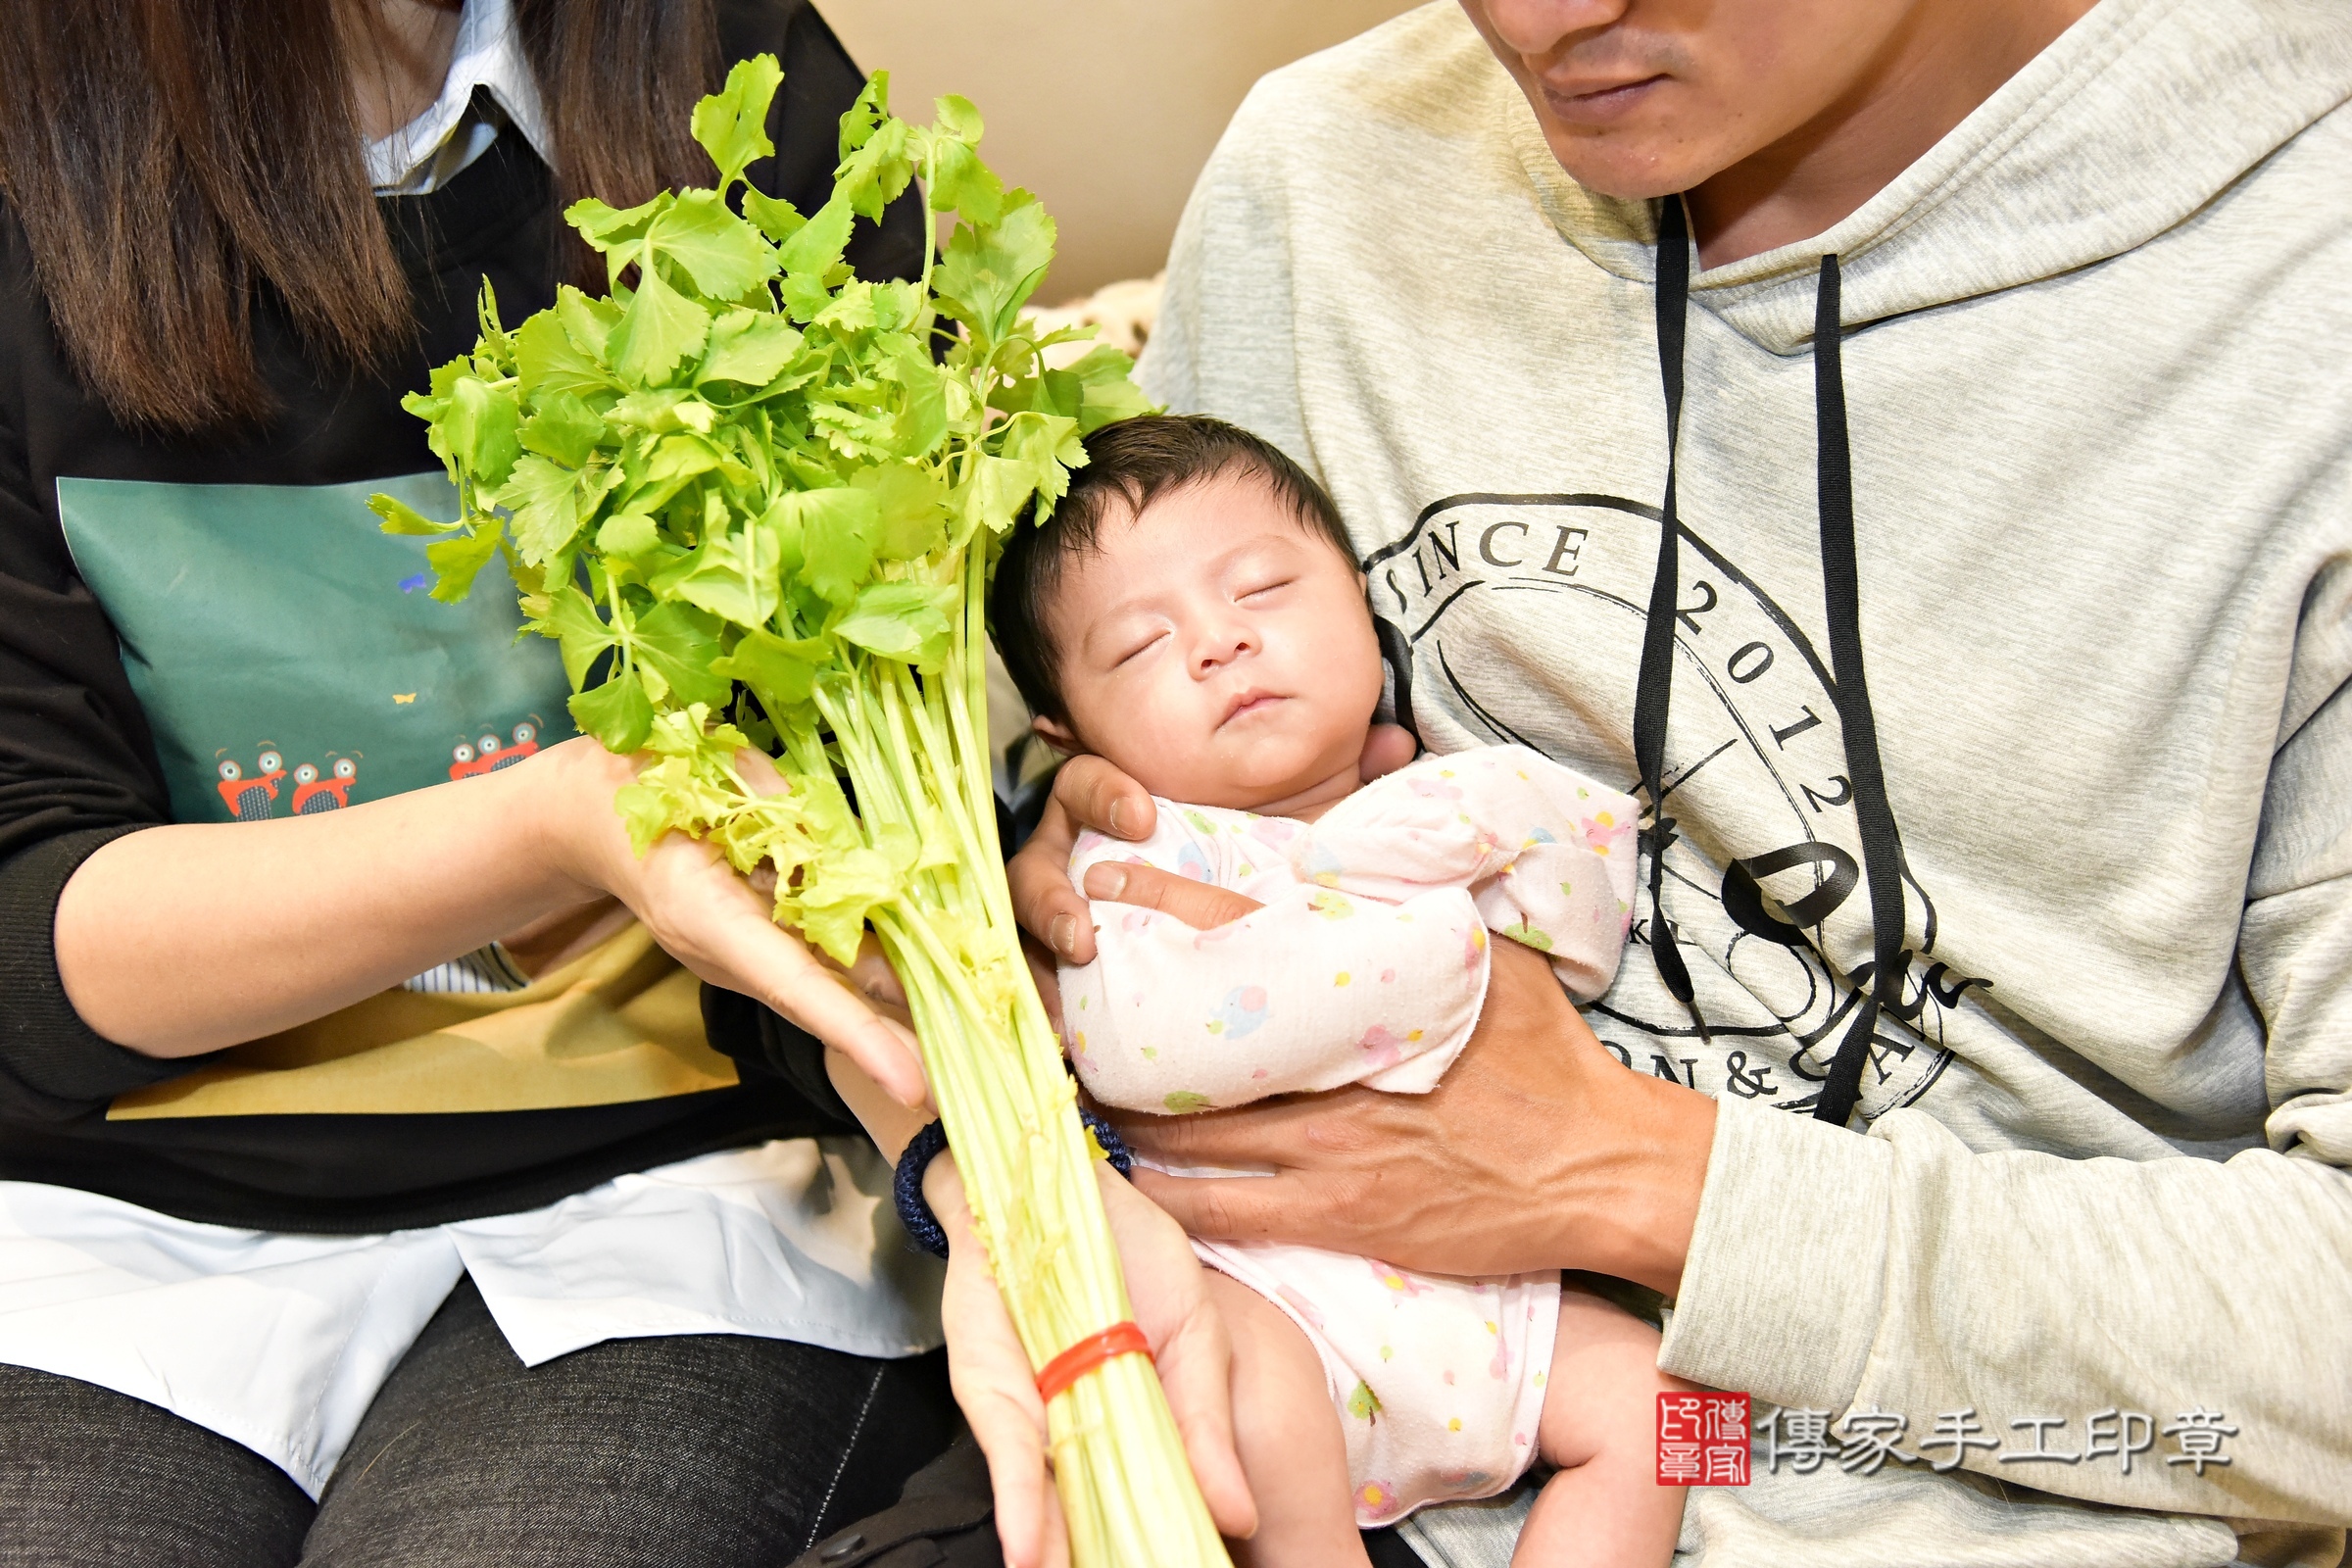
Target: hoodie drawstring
x,y
1882,844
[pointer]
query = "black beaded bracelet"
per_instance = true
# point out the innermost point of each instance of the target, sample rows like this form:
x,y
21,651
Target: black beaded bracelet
x,y
907,1187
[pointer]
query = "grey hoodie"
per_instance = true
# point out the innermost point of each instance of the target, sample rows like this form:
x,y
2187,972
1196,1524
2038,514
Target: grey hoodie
x,y
2097,359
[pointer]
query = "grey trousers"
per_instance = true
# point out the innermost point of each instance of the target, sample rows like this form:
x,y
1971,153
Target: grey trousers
x,y
696,1452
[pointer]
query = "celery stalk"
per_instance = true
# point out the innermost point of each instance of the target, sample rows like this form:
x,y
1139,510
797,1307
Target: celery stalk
x,y
756,507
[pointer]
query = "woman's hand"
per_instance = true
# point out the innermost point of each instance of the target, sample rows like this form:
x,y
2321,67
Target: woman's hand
x,y
998,1392
1089,793
711,919
1537,1151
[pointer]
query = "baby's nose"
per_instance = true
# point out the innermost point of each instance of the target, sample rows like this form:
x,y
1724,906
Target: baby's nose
x,y
1222,645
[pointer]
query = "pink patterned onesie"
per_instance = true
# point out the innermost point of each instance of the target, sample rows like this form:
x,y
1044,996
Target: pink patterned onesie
x,y
1368,965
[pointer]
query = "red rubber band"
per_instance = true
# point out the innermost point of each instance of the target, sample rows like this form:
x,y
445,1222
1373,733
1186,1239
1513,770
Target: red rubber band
x,y
1120,1338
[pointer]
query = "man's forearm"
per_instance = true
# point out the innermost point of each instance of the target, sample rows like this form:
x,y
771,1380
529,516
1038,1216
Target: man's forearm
x,y
2015,1301
1636,1192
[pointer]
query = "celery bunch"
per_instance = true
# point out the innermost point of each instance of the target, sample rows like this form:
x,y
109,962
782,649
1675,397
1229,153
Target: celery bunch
x,y
754,508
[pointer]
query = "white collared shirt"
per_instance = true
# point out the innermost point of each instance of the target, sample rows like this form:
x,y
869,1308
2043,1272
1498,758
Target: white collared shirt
x,y
280,1342
431,151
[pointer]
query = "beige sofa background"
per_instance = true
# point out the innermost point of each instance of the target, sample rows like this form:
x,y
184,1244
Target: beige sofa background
x,y
1105,108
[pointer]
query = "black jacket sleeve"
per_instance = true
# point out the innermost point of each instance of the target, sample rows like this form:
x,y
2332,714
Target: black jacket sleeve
x,y
52,1067
77,767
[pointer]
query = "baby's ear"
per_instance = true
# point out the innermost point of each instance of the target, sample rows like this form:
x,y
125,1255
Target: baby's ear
x,y
1055,733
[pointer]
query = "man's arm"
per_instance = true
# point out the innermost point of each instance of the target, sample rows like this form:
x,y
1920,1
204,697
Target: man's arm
x,y
2027,1285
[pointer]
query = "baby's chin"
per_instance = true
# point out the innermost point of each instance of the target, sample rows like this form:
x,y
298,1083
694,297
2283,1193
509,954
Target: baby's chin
x,y
1260,775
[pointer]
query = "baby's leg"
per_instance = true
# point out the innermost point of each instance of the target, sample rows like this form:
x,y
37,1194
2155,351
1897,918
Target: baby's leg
x,y
1288,1439
1605,1507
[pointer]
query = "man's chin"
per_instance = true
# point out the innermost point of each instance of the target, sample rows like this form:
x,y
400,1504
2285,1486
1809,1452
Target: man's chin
x,y
1629,165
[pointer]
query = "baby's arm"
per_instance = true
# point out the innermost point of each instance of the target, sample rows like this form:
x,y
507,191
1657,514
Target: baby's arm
x,y
1548,853
1316,990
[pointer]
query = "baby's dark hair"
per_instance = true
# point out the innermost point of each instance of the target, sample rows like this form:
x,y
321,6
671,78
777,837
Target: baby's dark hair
x,y
1129,464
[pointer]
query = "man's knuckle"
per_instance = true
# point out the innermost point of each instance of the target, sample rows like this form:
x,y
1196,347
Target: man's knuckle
x,y
1353,1192
1224,1215
1215,1211
1176,1135
1332,1134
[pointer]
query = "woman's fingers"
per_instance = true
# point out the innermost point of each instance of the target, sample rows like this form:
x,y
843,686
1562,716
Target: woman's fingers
x,y
995,1386
875,978
1087,793
1202,906
990,1375
761,960
1190,1347
1195,1371
710,919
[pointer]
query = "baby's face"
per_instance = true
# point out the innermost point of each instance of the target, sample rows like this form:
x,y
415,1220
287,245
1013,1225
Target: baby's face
x,y
1217,650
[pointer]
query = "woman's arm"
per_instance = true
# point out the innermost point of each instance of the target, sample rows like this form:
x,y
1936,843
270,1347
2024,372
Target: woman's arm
x,y
331,908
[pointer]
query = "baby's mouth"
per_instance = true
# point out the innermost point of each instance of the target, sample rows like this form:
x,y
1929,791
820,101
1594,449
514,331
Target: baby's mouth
x,y
1247,703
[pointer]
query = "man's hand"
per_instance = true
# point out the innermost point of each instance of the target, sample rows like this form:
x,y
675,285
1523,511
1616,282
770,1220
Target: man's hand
x,y
1537,1152
1089,793
998,1392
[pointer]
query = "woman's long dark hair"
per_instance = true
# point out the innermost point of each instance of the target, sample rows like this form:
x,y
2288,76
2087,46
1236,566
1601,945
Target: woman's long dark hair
x,y
170,158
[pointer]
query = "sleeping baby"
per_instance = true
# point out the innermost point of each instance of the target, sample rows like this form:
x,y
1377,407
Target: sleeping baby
x,y
1191,613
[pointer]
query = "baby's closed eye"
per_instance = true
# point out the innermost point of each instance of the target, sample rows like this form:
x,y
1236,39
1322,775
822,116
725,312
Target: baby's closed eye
x,y
1136,647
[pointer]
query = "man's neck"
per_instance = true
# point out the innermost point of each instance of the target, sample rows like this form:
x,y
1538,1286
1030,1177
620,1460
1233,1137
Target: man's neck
x,y
1936,69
